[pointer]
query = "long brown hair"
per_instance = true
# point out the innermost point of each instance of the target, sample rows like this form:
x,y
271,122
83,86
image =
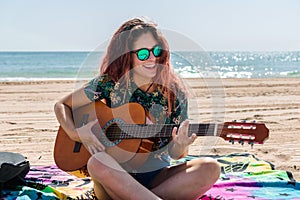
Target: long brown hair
x,y
117,61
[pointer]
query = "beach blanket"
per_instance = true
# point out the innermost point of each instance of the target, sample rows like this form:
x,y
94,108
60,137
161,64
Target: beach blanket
x,y
243,177
246,177
49,182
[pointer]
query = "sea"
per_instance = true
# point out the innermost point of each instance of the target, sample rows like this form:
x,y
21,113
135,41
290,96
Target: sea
x,y
31,66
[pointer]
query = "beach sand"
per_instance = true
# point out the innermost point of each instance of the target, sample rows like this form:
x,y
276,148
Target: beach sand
x,y
28,123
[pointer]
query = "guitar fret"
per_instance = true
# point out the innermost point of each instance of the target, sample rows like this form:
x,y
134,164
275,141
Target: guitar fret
x,y
216,130
164,133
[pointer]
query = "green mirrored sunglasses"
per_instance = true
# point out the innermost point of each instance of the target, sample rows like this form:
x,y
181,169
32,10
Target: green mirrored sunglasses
x,y
144,53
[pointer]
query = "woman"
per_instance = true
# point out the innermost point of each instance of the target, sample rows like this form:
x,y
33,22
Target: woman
x,y
136,68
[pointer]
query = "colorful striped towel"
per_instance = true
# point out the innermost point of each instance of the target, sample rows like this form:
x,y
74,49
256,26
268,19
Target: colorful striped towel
x,y
243,177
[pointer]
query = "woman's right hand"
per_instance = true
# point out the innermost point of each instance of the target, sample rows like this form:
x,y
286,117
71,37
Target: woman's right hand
x,y
89,139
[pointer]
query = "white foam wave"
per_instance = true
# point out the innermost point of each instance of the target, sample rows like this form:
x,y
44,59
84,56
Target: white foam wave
x,y
32,79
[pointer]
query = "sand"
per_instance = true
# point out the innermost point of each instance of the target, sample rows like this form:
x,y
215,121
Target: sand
x,y
28,123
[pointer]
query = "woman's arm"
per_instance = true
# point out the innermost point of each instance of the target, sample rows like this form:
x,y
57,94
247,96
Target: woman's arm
x,y
63,111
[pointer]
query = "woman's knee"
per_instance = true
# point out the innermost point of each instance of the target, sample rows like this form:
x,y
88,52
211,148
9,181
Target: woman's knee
x,y
97,167
211,168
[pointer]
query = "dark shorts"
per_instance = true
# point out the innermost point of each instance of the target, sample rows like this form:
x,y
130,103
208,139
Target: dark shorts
x,y
146,179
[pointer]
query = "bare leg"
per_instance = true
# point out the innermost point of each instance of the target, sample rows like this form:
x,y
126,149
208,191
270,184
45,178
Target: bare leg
x,y
100,192
106,172
187,181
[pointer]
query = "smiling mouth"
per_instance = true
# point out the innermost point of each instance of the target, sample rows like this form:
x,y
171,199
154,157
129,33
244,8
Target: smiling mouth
x,y
149,66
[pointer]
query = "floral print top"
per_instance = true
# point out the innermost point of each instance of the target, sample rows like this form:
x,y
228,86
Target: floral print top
x,y
103,87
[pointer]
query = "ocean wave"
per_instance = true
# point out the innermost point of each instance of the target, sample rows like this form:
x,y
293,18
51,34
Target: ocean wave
x,y
33,79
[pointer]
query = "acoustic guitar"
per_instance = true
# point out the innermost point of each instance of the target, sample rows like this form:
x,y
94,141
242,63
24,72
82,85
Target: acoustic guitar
x,y
129,140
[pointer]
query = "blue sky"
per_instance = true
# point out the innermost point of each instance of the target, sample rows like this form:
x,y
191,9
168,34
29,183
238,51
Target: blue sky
x,y
216,25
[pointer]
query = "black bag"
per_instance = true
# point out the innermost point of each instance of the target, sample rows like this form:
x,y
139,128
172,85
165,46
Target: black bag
x,y
13,169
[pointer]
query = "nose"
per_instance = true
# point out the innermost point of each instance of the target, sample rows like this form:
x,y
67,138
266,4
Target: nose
x,y
151,56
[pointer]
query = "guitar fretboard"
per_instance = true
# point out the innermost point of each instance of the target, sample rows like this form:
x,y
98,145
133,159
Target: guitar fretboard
x,y
131,131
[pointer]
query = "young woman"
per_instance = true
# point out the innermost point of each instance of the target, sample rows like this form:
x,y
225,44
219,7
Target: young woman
x,y
137,68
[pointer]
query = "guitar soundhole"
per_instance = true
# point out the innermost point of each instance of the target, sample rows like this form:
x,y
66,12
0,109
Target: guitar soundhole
x,y
112,133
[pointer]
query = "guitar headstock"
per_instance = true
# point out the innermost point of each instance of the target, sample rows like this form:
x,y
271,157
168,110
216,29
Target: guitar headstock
x,y
243,132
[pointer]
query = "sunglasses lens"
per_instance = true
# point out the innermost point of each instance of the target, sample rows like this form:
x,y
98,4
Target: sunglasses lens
x,y
143,54
157,51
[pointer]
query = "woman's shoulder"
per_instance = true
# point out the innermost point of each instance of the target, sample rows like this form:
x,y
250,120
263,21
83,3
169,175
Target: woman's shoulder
x,y
99,87
103,78
99,83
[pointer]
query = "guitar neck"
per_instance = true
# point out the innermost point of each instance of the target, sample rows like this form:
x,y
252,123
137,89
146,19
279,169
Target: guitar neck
x,y
130,131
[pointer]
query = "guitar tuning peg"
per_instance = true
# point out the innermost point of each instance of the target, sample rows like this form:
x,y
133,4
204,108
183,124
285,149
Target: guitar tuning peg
x,y
241,142
231,141
234,120
253,121
252,144
245,121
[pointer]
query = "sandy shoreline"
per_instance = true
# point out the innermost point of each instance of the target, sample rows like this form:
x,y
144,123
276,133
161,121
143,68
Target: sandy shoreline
x,y
28,124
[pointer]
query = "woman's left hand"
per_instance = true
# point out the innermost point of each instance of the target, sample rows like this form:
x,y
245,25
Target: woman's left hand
x,y
181,138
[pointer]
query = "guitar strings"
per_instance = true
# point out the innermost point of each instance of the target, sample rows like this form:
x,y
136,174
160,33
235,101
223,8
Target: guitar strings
x,y
142,131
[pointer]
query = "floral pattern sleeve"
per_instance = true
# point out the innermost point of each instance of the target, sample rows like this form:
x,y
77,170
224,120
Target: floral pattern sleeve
x,y
180,112
99,88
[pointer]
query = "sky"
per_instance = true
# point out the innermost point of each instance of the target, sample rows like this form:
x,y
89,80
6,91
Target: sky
x,y
214,25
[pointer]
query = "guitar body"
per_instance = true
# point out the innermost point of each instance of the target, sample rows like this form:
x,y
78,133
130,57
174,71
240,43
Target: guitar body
x,y
130,153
